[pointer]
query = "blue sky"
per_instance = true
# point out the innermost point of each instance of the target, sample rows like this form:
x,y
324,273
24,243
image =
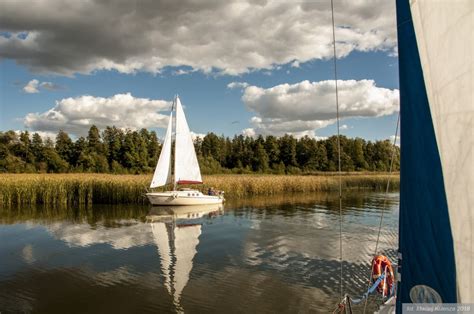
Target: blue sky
x,y
262,106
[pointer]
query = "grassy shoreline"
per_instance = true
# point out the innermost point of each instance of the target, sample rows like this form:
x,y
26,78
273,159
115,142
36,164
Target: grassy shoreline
x,y
72,189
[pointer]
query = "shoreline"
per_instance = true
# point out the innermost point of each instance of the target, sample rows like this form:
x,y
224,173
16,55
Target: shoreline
x,y
86,189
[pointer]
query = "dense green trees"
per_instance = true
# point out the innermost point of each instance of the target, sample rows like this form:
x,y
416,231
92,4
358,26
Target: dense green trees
x,y
117,151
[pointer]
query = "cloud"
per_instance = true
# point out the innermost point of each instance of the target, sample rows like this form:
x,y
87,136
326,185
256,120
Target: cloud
x,y
44,135
182,72
295,64
130,234
304,107
344,127
196,135
31,87
50,86
235,85
230,37
249,132
77,115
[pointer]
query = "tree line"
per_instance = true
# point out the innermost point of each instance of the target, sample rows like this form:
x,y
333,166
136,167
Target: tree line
x,y
126,151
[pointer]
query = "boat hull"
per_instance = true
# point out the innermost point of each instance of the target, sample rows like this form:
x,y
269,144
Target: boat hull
x,y
182,198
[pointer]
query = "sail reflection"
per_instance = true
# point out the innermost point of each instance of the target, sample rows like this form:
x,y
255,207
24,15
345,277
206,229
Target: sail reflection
x,y
176,232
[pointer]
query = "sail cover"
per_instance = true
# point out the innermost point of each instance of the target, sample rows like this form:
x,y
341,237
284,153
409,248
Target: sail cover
x,y
186,170
437,113
162,173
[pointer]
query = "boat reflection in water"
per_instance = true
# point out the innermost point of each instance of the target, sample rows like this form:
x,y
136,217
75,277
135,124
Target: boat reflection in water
x,y
176,231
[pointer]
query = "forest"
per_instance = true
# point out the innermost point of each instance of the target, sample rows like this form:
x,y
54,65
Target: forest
x,y
133,152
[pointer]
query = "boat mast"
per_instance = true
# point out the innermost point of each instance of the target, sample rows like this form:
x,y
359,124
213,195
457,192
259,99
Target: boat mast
x,y
175,185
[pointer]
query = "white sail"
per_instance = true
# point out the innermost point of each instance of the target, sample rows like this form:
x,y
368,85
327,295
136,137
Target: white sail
x,y
444,31
162,173
186,169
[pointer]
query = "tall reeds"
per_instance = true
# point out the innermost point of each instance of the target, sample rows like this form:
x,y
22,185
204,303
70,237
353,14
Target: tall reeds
x,y
85,189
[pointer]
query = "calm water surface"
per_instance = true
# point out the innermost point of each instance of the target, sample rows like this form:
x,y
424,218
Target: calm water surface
x,y
259,255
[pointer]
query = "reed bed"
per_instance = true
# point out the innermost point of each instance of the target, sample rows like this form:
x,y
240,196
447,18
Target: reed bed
x,y
86,189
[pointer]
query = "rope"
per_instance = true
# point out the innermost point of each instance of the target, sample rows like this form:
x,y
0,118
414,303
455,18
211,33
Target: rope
x,y
338,144
369,290
392,158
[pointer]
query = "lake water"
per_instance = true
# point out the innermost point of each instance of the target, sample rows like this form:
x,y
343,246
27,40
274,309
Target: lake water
x,y
258,255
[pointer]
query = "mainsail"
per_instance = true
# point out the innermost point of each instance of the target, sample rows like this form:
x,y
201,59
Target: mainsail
x,y
186,167
162,175
436,102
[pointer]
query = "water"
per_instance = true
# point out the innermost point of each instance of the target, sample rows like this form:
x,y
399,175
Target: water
x,y
259,255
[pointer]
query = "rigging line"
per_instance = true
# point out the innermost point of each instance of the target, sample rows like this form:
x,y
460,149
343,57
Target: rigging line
x,y
338,144
392,159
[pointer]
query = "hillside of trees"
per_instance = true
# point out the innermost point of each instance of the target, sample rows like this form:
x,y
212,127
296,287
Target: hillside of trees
x,y
117,151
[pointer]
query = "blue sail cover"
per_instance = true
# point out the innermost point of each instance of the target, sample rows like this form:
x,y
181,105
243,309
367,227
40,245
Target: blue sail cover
x,y
426,241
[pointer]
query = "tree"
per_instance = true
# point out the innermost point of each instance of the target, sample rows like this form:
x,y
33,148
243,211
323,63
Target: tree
x,y
213,146
320,157
288,150
78,149
94,142
260,158
64,146
304,150
153,148
54,161
129,155
141,139
37,147
129,151
113,140
357,153
273,151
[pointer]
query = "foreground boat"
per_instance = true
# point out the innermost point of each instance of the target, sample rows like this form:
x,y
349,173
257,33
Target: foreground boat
x,y
437,113
186,167
436,248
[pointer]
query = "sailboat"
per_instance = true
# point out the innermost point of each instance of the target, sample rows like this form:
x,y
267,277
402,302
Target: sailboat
x,y
436,58
186,166
436,218
176,231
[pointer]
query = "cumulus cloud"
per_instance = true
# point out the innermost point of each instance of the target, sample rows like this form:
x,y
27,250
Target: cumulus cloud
x,y
304,107
44,135
295,64
235,85
77,115
230,37
196,135
32,86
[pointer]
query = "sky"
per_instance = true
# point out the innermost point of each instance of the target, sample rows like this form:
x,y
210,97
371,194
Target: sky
x,y
239,67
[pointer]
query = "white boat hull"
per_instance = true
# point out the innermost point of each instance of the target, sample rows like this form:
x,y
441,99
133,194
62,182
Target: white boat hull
x,y
182,198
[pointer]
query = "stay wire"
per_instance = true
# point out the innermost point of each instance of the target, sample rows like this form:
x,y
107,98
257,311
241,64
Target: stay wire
x,y
338,145
392,159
